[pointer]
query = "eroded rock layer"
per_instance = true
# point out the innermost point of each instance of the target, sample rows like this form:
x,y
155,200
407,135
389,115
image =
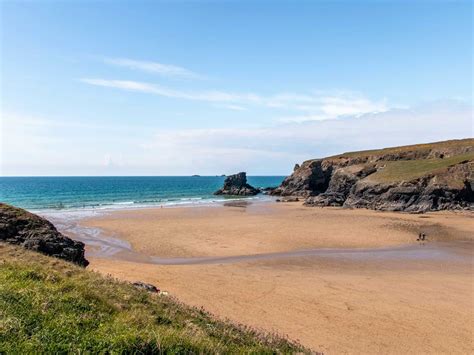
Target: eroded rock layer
x,y
416,178
20,227
237,185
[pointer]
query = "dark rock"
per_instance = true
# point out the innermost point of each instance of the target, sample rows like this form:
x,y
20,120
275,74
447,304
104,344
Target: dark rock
x,y
290,199
20,227
237,185
296,167
345,180
311,178
448,190
267,190
339,186
147,287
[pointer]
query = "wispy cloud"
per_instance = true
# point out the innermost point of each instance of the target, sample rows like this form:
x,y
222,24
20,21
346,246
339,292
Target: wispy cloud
x,y
309,107
209,96
231,107
32,145
277,146
330,107
154,67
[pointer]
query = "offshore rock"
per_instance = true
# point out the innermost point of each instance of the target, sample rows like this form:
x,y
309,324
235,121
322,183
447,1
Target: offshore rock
x,y
236,185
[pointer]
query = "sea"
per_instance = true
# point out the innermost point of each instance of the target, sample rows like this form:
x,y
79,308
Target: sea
x,y
48,194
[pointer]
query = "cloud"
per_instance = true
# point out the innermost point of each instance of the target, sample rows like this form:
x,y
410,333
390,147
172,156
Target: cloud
x,y
276,149
232,107
209,96
42,146
314,106
154,67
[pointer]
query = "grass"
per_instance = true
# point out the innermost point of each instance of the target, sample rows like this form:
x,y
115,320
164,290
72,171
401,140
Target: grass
x,y
405,170
455,143
50,306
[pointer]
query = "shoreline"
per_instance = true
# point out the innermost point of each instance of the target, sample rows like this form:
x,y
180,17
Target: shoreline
x,y
281,227
343,281
103,243
80,213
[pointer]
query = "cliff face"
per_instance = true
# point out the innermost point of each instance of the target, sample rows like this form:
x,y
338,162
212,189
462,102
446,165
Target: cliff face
x,y
20,227
415,178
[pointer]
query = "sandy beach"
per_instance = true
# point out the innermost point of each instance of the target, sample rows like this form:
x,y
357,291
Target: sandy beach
x,y
386,293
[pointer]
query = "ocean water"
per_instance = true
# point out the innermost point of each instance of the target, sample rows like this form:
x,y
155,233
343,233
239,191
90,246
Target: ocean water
x,y
75,193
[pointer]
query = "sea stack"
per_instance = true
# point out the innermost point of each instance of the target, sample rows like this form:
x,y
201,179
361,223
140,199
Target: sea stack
x,y
33,232
236,185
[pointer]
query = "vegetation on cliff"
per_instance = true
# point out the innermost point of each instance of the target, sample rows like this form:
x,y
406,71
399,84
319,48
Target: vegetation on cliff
x,y
48,305
414,178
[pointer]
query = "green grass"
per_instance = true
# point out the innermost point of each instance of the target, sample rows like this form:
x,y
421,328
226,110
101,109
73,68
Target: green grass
x,y
405,170
455,143
51,306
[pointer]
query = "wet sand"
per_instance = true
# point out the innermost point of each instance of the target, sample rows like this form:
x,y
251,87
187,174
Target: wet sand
x,y
294,270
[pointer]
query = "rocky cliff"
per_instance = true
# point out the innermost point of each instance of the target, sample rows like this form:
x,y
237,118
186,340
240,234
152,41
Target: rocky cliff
x,y
236,185
20,227
415,178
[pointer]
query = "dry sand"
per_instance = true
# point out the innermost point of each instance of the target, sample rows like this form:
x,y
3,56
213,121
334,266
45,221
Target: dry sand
x,y
338,304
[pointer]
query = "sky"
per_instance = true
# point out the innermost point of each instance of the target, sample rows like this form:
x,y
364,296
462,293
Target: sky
x,y
216,87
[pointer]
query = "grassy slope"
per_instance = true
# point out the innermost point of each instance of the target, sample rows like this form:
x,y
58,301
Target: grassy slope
x,y
419,147
406,170
48,305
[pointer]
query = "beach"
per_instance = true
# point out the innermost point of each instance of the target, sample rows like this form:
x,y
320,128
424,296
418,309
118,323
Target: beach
x,y
340,281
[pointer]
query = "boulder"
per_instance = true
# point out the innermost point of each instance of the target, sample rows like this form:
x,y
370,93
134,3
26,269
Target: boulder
x,y
236,185
30,231
144,286
290,199
267,190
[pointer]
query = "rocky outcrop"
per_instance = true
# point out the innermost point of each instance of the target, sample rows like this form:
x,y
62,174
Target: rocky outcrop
x,y
417,178
144,286
310,178
236,185
447,190
267,190
20,227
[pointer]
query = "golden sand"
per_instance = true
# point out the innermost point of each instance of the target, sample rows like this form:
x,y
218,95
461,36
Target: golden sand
x,y
335,305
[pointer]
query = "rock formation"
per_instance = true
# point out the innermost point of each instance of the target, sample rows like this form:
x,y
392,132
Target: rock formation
x,y
237,185
417,178
20,227
144,286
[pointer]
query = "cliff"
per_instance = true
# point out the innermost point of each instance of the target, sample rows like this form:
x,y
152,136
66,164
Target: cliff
x,y
30,231
416,178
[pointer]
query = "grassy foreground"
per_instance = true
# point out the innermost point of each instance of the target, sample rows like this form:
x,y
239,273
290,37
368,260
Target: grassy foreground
x,y
48,305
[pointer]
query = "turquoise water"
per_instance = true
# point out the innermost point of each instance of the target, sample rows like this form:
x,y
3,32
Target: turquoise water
x,y
56,193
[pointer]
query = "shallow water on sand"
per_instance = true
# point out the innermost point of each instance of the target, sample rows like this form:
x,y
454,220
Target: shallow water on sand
x,y
99,244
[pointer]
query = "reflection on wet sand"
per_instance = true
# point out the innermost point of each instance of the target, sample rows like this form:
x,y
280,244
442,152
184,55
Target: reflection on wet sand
x,y
340,281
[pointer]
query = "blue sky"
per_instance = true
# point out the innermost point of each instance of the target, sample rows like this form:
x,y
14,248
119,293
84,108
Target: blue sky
x,y
178,88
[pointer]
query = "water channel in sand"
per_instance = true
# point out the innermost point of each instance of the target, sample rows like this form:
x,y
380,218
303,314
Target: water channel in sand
x,y
104,246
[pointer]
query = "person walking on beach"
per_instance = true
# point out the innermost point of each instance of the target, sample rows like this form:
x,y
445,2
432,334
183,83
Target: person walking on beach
x,y
421,237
